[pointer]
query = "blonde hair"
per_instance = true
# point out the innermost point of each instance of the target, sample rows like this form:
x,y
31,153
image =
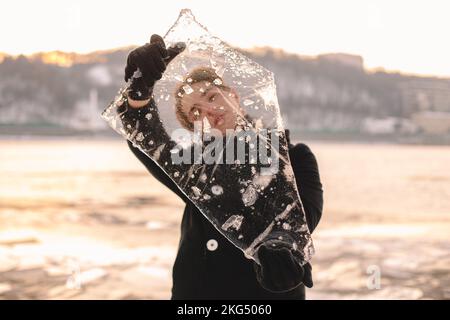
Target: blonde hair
x,y
198,74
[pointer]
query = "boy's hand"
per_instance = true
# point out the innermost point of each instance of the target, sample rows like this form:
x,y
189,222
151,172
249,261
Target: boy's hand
x,y
279,271
151,59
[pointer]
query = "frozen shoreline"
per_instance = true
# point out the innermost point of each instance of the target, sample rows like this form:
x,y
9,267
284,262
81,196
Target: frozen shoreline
x,y
84,220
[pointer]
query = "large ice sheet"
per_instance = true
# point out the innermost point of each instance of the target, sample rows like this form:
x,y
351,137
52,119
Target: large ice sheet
x,y
214,127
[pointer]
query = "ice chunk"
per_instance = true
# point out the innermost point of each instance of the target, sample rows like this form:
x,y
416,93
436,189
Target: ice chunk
x,y
242,187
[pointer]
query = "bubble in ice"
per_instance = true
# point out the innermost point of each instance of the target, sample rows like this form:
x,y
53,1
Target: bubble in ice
x,y
188,89
196,191
249,196
217,190
302,228
139,137
234,222
286,226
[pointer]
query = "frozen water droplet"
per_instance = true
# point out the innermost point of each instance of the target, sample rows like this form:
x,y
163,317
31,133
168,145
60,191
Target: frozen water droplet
x,y
248,102
217,82
303,228
203,177
176,174
148,116
249,196
174,150
196,191
286,226
188,89
189,80
151,142
240,237
280,238
233,222
139,137
217,190
206,196
294,246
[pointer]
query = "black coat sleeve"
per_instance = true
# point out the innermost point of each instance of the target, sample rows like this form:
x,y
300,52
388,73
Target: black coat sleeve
x,y
147,119
307,175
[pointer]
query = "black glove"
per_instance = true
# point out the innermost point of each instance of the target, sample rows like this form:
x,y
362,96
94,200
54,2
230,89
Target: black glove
x,y
279,271
151,59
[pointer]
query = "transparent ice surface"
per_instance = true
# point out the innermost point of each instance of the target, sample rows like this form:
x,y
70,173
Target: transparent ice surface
x,y
221,140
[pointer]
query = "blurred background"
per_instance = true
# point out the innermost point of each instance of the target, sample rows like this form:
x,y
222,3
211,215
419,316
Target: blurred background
x,y
366,84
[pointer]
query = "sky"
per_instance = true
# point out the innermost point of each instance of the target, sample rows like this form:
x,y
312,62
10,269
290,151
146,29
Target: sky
x,y
398,35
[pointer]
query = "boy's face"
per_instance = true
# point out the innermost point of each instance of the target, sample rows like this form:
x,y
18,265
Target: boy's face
x,y
220,106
